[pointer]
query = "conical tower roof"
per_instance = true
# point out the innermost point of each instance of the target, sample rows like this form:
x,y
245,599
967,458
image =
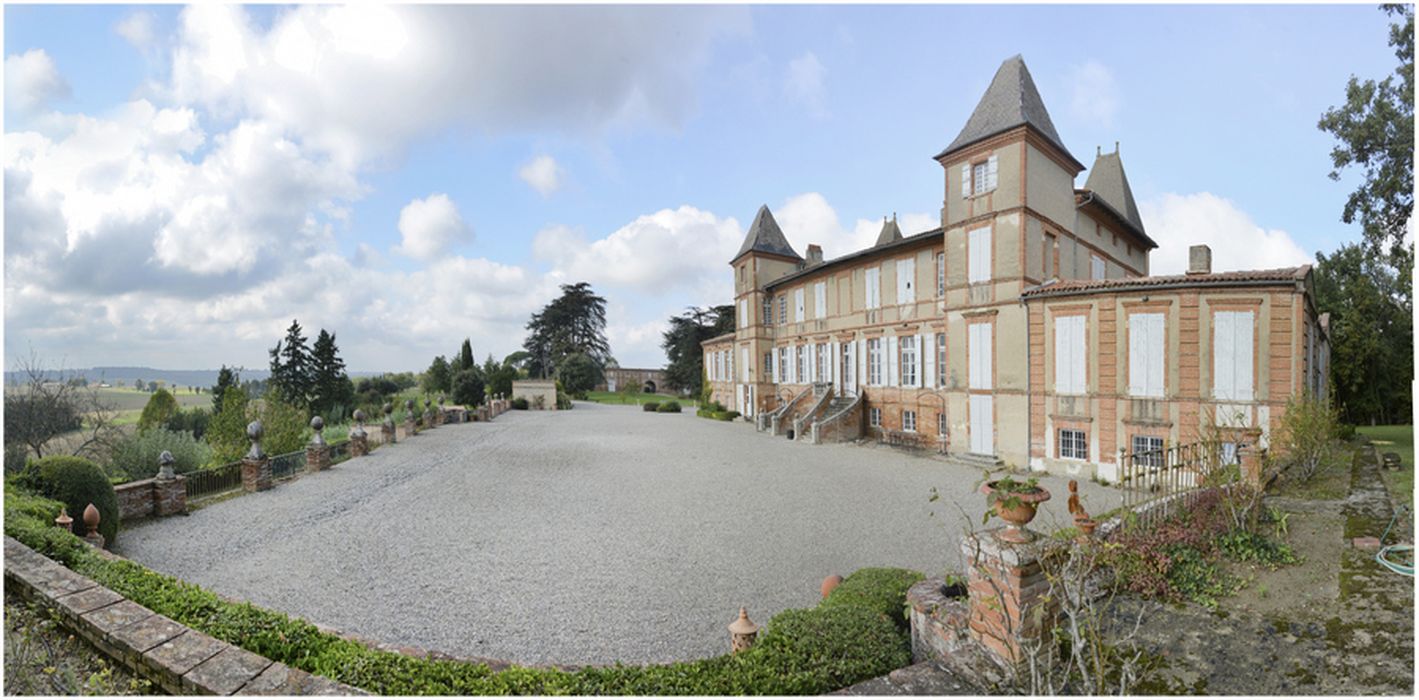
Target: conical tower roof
x,y
766,237
1011,100
1108,182
890,231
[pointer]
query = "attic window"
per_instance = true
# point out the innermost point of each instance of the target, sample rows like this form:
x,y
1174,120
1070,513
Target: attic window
x,y
980,178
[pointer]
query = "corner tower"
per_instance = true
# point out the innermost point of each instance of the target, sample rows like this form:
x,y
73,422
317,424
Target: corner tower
x,y
765,256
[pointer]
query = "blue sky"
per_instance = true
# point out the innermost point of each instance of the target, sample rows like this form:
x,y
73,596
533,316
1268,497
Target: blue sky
x,y
180,182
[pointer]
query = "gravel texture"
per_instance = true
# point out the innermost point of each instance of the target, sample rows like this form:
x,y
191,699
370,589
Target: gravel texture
x,y
587,536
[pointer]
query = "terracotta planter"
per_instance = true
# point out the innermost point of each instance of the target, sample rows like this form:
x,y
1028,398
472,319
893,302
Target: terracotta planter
x,y
1017,514
1086,526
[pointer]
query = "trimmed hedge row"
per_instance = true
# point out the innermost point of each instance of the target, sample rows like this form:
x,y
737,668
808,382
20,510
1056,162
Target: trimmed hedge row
x,y
717,415
853,636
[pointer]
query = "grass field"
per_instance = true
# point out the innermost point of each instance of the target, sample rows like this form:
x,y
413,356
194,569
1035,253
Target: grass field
x,y
1395,438
615,397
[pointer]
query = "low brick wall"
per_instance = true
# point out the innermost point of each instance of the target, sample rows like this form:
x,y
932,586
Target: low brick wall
x,y
141,499
180,660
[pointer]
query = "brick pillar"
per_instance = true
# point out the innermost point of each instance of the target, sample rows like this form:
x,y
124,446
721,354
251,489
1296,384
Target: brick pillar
x,y
1006,594
317,458
1250,454
255,474
387,430
170,496
359,443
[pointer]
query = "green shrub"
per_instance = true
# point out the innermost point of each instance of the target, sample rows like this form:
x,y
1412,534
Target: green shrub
x,y
650,406
880,589
284,426
76,482
161,407
16,455
669,407
1345,431
226,432
1243,546
136,456
520,403
724,415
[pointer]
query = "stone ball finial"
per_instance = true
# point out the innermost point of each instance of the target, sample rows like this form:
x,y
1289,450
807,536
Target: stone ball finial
x,y
317,424
388,408
428,402
359,417
165,462
91,519
254,431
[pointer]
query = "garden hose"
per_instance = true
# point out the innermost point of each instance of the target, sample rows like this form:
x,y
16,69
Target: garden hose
x,y
1380,556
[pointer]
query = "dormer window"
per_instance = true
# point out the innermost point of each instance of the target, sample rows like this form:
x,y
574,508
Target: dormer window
x,y
978,178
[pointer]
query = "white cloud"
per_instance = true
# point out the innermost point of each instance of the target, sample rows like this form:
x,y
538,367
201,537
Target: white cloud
x,y
803,81
1177,221
318,69
137,28
808,218
32,81
1093,93
543,174
429,226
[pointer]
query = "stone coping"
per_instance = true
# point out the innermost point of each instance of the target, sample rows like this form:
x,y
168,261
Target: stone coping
x,y
179,659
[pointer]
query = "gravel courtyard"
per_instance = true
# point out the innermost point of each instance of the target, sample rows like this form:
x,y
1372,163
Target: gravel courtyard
x,y
585,536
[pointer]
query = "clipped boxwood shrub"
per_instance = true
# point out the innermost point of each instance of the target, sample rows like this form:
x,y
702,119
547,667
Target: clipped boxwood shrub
x,y
76,482
650,406
880,589
137,455
520,403
669,407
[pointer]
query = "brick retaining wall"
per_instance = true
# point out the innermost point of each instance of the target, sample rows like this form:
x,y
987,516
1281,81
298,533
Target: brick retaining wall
x,y
140,499
179,659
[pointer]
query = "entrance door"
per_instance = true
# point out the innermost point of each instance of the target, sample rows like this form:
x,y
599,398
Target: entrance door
x,y
982,424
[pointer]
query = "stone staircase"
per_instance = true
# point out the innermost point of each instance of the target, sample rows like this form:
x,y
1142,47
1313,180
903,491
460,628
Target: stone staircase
x,y
975,461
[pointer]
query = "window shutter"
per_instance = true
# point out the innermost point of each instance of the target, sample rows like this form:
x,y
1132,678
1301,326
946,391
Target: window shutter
x,y
1137,355
1157,342
973,350
986,361
920,357
835,358
892,358
1244,354
1080,355
859,351
820,300
928,369
966,180
1062,362
990,179
743,364
1223,382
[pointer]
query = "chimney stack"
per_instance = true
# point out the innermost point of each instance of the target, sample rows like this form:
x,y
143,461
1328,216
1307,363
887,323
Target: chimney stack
x,y
815,254
1199,260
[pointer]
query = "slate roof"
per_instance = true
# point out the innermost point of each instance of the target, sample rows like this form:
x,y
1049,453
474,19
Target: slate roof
x,y
890,231
903,242
1108,181
1214,279
1011,100
766,237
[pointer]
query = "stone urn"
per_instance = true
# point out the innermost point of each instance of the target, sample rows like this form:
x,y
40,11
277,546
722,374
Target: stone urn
x,y
1016,503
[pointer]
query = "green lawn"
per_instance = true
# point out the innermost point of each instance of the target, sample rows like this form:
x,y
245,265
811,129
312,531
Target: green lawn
x,y
1395,438
130,399
616,397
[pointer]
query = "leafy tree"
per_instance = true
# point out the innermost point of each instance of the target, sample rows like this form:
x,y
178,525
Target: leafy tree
x,y
579,373
292,373
499,376
468,387
573,323
283,425
1371,334
138,384
227,377
439,377
332,390
161,407
517,360
46,408
227,431
1375,130
153,386
682,344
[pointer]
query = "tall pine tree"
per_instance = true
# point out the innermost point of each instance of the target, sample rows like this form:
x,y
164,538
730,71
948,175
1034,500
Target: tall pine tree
x,y
464,359
573,323
332,390
292,374
227,377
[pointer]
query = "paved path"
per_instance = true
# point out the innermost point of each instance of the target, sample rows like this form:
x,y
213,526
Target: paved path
x,y
585,536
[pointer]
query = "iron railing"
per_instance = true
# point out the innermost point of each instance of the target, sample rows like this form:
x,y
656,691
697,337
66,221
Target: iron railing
x,y
288,465
1158,482
203,483
339,451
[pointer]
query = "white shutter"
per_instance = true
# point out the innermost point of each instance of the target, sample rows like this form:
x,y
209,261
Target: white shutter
x,y
1079,349
892,349
986,361
1157,341
920,356
835,358
1138,332
1243,355
978,255
990,179
928,362
1223,362
813,363
973,356
966,180
820,300
860,351
906,281
744,364
980,356
799,316
1062,360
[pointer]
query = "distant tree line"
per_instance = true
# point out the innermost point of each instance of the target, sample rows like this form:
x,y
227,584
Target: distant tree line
x,y
686,368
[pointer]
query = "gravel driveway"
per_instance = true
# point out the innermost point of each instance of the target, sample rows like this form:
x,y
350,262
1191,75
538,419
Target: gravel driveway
x,y
585,536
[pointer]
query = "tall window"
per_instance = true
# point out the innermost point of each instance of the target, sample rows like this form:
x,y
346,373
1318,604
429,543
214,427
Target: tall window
x,y
768,310
874,287
874,361
978,178
820,353
1070,355
940,274
1073,444
800,314
729,365
909,421
978,255
768,365
743,313
940,359
980,354
1145,355
1097,270
802,352
783,365
782,309
906,281
874,417
941,424
1232,355
849,371
1147,451
908,345
820,300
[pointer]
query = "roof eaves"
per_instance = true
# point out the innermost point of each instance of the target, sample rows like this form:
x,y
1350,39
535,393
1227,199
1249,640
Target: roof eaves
x,y
884,248
1104,204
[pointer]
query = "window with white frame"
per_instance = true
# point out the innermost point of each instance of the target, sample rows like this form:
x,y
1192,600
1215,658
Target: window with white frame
x,y
800,314
940,274
768,310
729,365
978,255
1070,355
1147,451
940,359
941,424
909,421
978,178
906,281
980,354
1145,355
820,300
908,360
849,371
1232,356
820,353
1229,453
873,288
1097,269
874,361
874,417
768,365
782,309
783,365
802,365
1073,444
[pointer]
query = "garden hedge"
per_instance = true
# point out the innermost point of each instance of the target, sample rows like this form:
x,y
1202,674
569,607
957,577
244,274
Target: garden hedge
x,y
76,482
669,407
849,638
650,406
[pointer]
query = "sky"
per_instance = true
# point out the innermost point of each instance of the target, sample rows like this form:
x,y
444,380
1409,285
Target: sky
x,y
182,182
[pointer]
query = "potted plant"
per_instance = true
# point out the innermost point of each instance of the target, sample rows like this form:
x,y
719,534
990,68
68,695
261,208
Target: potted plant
x,y
1015,502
